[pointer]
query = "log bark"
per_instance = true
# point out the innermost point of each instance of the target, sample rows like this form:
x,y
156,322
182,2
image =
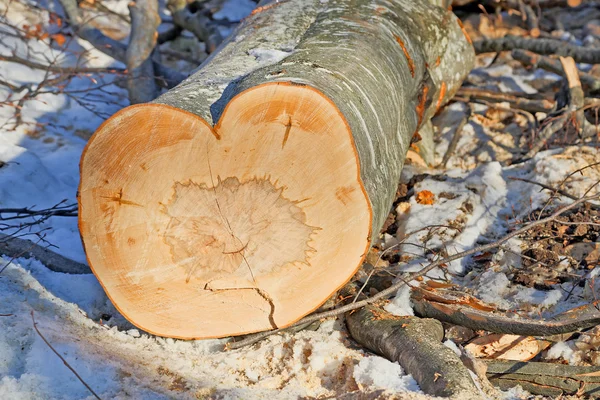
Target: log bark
x,y
256,220
452,309
22,248
553,380
416,344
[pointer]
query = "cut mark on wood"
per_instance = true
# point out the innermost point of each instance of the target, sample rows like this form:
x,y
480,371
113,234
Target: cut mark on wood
x,y
411,63
259,291
119,199
288,128
250,224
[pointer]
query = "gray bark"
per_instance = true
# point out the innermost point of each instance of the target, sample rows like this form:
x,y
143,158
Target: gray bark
x,y
144,22
22,248
165,77
352,52
415,344
554,380
197,23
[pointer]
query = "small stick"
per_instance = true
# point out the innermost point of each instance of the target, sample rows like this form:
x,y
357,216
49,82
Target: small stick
x,y
456,138
544,186
516,101
61,357
543,46
553,65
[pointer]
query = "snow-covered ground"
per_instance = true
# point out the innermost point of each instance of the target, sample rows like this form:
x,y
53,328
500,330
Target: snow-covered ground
x,y
39,167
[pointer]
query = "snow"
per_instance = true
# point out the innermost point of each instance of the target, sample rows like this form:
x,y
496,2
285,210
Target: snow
x,y
235,10
493,287
377,372
400,304
476,201
270,56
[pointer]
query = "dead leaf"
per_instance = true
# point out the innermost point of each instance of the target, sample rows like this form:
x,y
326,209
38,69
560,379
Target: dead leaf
x,y
59,38
425,197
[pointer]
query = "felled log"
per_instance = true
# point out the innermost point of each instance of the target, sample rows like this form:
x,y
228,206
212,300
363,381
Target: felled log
x,y
240,200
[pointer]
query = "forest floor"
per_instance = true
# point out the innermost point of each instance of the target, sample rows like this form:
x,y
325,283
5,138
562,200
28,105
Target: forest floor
x,y
488,187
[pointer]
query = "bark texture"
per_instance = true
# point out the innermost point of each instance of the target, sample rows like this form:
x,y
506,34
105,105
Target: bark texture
x,y
448,309
385,91
416,345
288,145
23,248
142,41
553,380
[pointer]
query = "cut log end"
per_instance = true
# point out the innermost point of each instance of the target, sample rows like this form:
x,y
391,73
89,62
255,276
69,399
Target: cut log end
x,y
197,232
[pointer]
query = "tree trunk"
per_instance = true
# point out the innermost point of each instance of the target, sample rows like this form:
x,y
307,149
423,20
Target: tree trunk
x,y
200,231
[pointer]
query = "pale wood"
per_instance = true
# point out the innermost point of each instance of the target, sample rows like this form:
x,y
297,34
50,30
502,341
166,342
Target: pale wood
x,y
198,231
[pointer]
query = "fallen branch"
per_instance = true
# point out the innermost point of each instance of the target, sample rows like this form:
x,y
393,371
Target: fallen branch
x,y
572,113
384,294
531,105
142,41
16,248
543,46
451,308
553,65
197,23
165,76
62,359
552,380
415,344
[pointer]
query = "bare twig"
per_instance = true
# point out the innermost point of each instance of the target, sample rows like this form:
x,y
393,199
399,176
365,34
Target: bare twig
x,y
58,68
589,55
456,138
516,101
62,358
544,186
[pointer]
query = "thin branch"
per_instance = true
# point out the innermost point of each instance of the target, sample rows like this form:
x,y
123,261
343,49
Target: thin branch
x,y
59,69
589,55
62,358
544,186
